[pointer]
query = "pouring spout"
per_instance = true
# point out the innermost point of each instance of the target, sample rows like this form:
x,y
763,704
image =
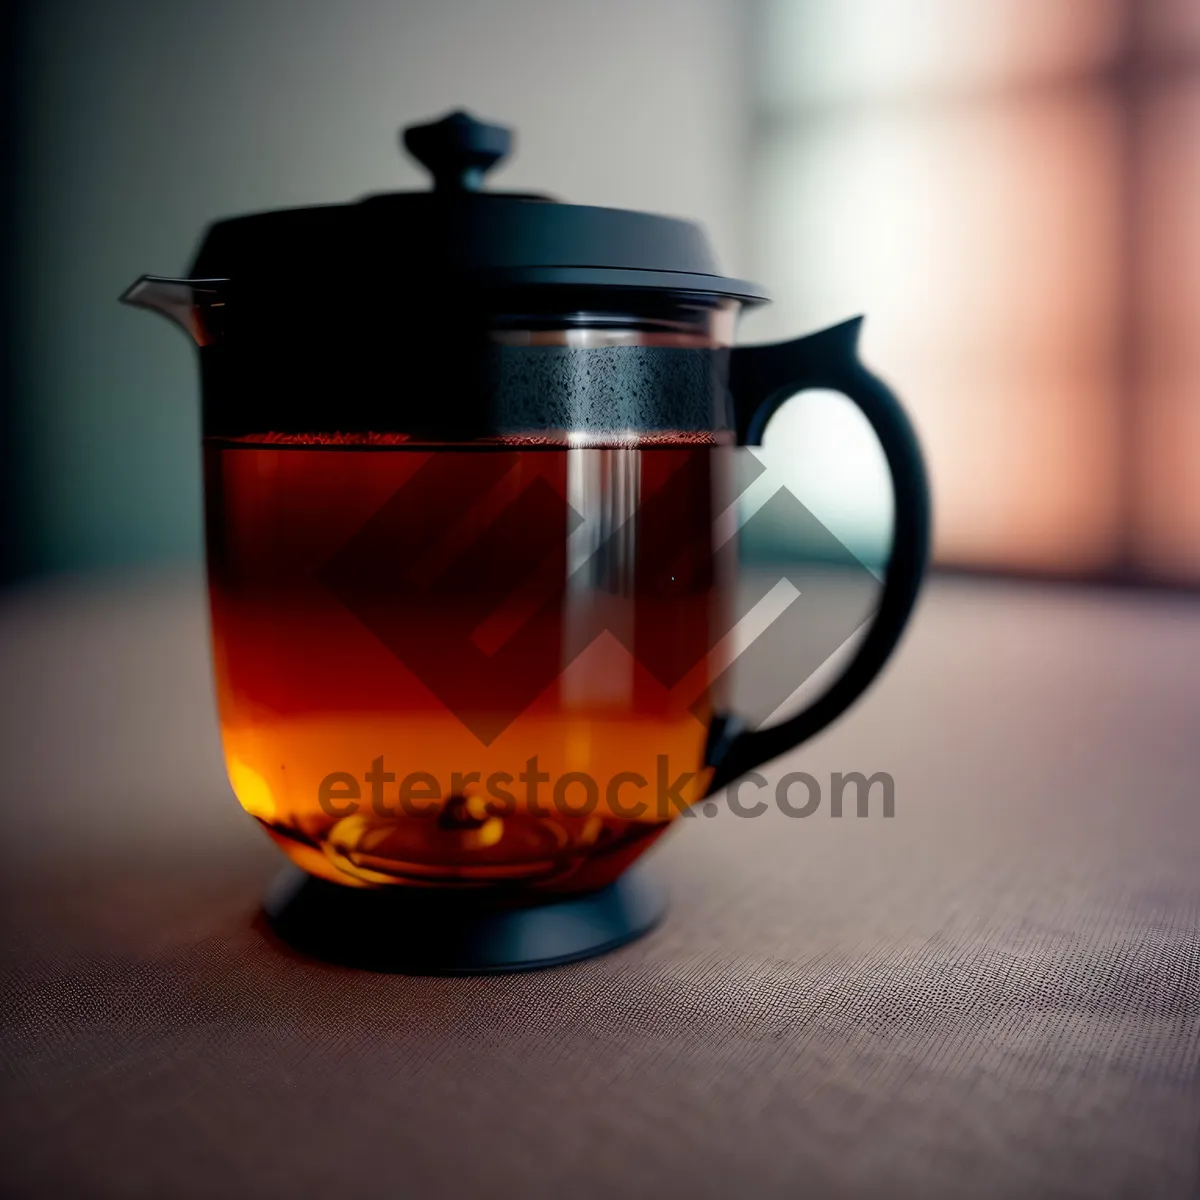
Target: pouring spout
x,y
189,303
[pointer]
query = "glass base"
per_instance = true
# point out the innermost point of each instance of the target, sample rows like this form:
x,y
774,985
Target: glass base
x,y
434,931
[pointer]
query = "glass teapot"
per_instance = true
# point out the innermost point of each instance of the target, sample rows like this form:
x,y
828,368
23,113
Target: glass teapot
x,y
472,468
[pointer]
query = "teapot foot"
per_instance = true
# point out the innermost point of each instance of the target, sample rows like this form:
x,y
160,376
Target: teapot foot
x,y
439,931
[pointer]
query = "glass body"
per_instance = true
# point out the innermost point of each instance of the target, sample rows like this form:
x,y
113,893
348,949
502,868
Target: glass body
x,y
487,662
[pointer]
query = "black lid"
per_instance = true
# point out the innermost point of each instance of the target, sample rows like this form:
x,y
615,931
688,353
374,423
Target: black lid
x,y
459,235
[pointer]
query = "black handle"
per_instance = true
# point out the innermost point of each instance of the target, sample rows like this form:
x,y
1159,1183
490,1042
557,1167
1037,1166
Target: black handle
x,y
761,378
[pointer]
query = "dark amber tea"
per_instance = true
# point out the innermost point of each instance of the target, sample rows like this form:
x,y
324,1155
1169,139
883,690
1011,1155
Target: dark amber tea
x,y
463,666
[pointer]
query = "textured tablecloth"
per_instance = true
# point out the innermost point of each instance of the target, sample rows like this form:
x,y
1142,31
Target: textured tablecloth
x,y
994,993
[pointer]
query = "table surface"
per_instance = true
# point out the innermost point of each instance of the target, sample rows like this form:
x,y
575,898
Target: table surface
x,y
996,992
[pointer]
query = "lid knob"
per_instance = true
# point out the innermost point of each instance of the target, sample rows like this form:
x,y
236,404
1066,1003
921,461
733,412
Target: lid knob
x,y
458,150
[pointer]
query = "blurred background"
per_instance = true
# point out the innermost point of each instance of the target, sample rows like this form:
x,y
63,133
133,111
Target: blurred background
x,y
1009,188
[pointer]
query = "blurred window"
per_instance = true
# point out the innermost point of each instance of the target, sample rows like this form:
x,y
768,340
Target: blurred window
x,y
1011,190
